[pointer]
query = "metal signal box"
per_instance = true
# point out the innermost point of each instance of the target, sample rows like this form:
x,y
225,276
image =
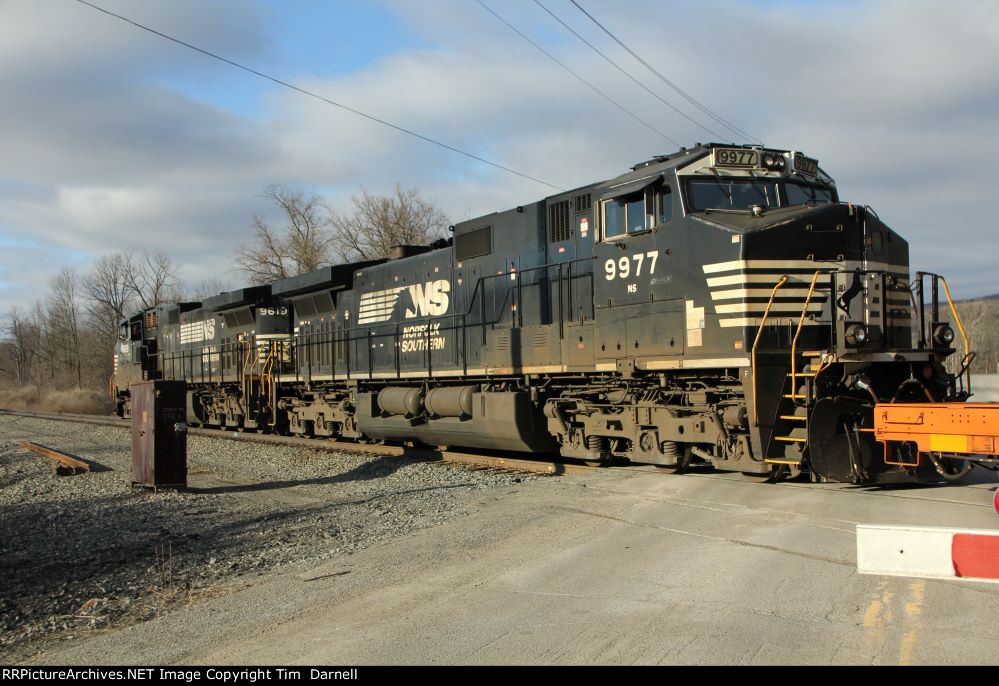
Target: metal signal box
x,y
159,433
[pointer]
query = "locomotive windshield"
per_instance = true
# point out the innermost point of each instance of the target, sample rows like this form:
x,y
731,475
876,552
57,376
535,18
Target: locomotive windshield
x,y
804,193
731,194
728,193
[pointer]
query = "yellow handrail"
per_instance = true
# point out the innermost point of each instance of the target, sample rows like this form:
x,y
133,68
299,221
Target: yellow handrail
x,y
268,372
797,333
960,327
759,332
265,372
250,350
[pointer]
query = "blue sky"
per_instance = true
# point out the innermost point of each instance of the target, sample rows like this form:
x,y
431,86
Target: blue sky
x,y
118,140
322,39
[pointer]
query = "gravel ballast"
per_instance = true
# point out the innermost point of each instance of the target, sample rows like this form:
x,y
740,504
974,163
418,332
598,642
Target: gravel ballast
x,y
89,552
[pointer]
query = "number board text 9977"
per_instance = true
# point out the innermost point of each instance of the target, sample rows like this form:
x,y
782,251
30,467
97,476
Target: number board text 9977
x,y
806,165
737,157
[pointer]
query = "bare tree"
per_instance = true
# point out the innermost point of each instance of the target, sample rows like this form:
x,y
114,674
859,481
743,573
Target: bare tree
x,y
63,314
378,223
152,278
981,321
205,289
22,343
302,245
109,292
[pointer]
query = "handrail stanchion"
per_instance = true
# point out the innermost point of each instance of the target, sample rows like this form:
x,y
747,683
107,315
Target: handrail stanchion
x,y
759,332
960,327
797,333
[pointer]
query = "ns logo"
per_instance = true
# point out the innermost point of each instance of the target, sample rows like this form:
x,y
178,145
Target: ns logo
x,y
429,299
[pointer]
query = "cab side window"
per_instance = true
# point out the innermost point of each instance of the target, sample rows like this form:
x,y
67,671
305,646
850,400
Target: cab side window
x,y
628,214
665,205
876,242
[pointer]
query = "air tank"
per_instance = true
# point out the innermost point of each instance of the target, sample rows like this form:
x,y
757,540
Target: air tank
x,y
401,400
450,401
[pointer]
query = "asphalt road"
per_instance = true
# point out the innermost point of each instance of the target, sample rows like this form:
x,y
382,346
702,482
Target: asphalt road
x,y
613,567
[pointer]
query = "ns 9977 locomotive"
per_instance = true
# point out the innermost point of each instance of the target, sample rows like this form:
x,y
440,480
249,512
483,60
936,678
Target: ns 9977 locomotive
x,y
719,305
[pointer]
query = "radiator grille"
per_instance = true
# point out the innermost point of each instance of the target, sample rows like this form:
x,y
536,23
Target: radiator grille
x,y
559,228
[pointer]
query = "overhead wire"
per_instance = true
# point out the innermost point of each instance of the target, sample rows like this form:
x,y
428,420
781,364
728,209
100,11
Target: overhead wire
x,y
693,101
326,100
580,78
626,73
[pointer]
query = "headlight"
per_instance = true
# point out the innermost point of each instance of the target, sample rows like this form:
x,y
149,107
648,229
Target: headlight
x,y
856,334
943,335
773,162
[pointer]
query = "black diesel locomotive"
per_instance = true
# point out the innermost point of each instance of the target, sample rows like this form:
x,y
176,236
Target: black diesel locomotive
x,y
717,305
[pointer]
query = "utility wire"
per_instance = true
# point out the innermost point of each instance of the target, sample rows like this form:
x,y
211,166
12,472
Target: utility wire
x,y
623,71
594,88
669,83
320,97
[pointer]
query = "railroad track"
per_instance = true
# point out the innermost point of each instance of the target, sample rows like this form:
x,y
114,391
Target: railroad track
x,y
963,493
474,460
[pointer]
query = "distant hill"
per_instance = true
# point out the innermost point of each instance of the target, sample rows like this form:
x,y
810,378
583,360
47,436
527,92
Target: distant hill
x,y
994,296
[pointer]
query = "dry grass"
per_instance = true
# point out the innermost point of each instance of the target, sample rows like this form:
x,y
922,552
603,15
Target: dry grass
x,y
74,401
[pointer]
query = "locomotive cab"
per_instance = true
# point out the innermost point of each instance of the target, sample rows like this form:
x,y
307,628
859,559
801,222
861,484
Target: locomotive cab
x,y
722,263
819,294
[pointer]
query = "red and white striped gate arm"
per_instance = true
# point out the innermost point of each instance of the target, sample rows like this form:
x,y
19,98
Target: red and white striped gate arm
x,y
971,554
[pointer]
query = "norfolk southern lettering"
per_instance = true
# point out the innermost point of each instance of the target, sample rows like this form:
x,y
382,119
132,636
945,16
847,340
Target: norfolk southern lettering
x,y
718,305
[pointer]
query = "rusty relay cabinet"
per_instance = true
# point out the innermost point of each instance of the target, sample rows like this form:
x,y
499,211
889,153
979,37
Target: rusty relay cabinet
x,y
159,433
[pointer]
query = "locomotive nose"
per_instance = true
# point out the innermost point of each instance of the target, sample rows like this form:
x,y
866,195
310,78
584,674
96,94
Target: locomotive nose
x,y
824,233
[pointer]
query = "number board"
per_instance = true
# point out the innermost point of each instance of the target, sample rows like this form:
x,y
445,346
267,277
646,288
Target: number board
x,y
737,157
806,165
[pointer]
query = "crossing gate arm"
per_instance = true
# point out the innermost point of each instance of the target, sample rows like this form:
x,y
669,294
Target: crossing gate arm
x,y
964,428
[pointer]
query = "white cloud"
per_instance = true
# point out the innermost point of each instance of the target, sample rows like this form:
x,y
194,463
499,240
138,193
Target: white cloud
x,y
899,101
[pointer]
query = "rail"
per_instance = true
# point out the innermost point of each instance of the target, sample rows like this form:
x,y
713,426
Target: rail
x,y
475,460
66,461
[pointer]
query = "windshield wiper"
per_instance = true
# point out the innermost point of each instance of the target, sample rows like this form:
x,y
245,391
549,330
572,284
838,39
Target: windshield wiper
x,y
728,193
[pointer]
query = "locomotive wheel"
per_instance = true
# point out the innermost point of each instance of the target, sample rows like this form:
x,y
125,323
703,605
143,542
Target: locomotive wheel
x,y
778,472
604,460
682,462
950,469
